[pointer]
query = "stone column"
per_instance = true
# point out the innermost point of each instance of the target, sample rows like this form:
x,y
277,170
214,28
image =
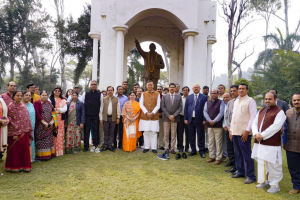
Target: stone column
x,y
210,42
96,37
121,31
188,35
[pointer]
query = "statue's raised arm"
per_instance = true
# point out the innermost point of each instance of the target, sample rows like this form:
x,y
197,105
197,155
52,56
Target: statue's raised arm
x,y
139,48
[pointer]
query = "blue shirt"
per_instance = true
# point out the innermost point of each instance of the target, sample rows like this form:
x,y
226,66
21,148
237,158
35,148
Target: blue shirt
x,y
122,100
220,115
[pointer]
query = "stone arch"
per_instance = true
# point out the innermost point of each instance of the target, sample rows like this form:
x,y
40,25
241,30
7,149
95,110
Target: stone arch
x,y
156,12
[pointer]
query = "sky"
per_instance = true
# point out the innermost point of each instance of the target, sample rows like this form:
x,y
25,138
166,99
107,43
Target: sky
x,y
256,31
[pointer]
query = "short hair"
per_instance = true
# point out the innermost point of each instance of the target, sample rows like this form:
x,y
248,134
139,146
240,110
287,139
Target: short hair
x,y
213,90
166,89
15,92
223,86
177,84
75,93
205,87
297,93
110,87
104,91
172,84
234,86
141,89
149,81
136,84
247,88
10,82
119,86
37,87
131,93
274,89
274,95
187,88
29,85
124,82
93,81
160,87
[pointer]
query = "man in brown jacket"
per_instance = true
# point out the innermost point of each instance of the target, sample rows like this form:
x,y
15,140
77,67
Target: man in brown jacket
x,y
109,116
291,141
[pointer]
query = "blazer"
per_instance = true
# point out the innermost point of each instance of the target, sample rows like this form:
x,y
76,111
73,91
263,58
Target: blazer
x,y
189,107
80,113
169,109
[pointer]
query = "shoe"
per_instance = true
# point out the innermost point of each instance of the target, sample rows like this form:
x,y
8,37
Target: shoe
x,y
294,191
120,147
145,150
178,156
273,189
162,156
237,176
167,154
206,150
262,185
93,149
248,181
187,150
232,169
162,148
224,159
184,156
180,150
104,149
173,152
202,155
154,151
229,164
217,162
111,149
85,150
192,154
210,160
234,173
97,150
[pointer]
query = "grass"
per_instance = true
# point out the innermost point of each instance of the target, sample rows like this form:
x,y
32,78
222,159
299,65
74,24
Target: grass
x,y
123,175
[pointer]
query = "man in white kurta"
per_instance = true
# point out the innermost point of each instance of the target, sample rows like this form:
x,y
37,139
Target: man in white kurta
x,y
149,122
266,129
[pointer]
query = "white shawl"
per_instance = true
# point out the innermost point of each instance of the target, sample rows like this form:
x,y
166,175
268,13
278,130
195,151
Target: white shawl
x,y
3,139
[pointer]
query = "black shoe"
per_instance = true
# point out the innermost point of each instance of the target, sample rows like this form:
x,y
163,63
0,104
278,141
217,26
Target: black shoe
x,y
180,150
237,176
206,150
187,150
120,147
192,154
233,173
145,150
85,150
162,148
232,169
154,151
229,164
184,156
104,149
178,156
202,155
111,149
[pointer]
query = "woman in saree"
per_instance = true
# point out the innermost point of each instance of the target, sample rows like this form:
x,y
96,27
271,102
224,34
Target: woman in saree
x,y
60,106
44,146
3,127
19,136
131,113
75,120
31,112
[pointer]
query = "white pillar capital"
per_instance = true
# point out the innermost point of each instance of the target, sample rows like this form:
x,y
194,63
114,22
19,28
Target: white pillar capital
x,y
122,28
211,39
189,32
95,35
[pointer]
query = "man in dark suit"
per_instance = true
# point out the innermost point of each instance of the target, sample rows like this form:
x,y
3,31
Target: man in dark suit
x,y
281,104
193,116
171,106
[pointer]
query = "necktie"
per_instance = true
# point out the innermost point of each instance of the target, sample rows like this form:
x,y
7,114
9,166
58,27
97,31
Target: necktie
x,y
195,101
172,99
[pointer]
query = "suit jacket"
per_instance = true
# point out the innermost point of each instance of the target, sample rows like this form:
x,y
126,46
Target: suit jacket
x,y
189,107
281,104
80,113
169,109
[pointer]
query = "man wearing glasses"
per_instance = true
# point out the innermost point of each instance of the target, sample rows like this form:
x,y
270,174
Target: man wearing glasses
x,y
11,87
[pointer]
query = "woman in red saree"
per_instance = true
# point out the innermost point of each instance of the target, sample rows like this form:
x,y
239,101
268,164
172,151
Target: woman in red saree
x,y
19,136
131,113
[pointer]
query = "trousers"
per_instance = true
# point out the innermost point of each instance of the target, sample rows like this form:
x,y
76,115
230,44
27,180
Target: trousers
x,y
215,141
293,160
118,131
274,170
161,134
196,128
243,161
109,129
150,140
91,120
182,129
230,149
167,126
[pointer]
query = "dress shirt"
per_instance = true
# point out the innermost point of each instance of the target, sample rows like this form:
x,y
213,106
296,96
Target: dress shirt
x,y
219,116
183,104
109,109
225,109
252,112
122,100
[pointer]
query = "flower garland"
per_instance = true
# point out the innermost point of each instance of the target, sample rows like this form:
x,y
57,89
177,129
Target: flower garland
x,y
153,62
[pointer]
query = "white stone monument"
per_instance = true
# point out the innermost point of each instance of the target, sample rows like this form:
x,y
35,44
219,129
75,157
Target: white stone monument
x,y
186,29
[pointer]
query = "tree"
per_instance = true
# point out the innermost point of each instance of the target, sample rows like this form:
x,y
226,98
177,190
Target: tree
x,y
280,43
245,81
135,69
235,13
286,16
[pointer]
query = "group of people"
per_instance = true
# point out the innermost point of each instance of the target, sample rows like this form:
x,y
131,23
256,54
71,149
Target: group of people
x,y
33,126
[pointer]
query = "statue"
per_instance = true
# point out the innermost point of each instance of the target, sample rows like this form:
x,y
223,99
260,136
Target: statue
x,y
153,62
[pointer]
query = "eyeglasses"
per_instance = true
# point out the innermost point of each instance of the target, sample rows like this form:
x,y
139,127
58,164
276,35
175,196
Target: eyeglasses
x,y
93,84
56,90
213,93
109,90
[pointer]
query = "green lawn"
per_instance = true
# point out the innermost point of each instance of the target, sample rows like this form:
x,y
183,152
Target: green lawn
x,y
135,175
